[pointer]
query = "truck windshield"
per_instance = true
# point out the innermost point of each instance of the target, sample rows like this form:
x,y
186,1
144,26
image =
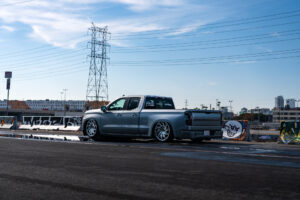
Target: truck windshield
x,y
159,103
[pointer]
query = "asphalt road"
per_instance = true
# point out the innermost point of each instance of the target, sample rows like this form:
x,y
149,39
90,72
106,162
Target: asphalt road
x,y
147,170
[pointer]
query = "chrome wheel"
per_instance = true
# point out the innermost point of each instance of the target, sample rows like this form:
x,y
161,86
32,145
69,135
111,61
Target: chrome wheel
x,y
91,128
162,132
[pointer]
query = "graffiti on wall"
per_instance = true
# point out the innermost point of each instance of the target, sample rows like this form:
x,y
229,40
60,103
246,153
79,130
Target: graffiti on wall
x,y
290,132
235,130
7,120
52,121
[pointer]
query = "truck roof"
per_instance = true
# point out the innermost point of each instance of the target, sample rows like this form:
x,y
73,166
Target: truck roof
x,y
154,96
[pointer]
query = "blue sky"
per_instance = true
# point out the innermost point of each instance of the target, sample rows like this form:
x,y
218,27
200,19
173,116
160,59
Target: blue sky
x,y
197,50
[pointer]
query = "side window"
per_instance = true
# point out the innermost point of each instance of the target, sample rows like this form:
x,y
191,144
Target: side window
x,y
133,103
149,103
117,105
159,103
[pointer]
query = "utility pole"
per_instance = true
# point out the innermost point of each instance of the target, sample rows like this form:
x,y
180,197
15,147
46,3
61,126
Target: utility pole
x,y
186,104
65,101
230,105
97,87
218,104
61,96
8,76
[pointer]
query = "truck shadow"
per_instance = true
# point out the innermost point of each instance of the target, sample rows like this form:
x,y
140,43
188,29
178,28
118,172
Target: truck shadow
x,y
184,142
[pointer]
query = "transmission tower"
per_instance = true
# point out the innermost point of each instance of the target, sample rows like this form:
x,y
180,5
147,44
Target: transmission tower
x,y
97,87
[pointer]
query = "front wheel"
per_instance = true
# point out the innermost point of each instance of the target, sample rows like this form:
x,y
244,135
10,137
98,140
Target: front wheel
x,y
163,132
91,129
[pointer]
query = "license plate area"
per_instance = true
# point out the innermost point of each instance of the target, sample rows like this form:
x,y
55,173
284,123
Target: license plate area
x,y
206,133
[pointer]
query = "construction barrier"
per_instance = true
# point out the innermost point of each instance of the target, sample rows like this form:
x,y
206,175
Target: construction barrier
x,y
290,132
236,130
68,123
8,122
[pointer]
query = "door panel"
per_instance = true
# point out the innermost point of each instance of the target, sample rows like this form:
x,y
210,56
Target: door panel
x,y
130,122
112,122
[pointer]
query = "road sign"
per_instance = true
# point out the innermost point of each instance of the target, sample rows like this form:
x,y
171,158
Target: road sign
x,y
8,74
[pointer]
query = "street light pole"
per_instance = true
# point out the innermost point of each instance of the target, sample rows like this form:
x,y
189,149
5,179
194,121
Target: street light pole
x,y
65,91
8,76
8,80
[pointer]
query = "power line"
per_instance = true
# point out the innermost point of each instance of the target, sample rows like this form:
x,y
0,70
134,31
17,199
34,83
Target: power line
x,y
70,72
221,23
54,57
216,62
205,48
171,61
215,41
230,60
288,51
189,34
204,27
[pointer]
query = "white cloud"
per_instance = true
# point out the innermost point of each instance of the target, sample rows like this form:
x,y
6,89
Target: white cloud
x,y
136,5
212,83
186,29
243,62
275,34
64,22
8,28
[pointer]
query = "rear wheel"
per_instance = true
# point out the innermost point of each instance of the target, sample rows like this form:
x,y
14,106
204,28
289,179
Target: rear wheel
x,y
162,132
91,129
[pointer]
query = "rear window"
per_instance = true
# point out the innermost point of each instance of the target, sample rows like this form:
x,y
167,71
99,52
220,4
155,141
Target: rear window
x,y
159,103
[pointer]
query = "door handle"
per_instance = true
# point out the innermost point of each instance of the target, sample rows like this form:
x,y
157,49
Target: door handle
x,y
133,115
119,115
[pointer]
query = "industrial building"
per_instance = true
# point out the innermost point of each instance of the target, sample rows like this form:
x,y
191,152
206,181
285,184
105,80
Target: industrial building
x,y
286,115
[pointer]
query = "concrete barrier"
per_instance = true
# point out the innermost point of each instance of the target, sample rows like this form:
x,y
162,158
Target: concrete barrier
x,y
236,130
290,132
66,123
8,122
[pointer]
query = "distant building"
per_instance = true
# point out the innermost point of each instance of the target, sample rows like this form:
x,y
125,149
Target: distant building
x,y
53,105
243,111
226,114
279,102
286,115
56,105
264,111
291,103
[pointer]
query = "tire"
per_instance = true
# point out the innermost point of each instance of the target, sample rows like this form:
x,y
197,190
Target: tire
x,y
91,129
162,132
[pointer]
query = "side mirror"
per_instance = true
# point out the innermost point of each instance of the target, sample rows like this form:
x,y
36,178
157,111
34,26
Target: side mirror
x,y
103,108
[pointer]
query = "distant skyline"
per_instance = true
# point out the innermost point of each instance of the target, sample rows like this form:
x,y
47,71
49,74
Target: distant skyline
x,y
247,52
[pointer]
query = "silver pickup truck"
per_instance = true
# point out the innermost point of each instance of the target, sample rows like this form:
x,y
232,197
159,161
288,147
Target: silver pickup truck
x,y
151,117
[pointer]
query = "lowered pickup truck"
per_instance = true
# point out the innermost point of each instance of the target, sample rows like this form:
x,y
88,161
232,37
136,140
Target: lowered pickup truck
x,y
151,117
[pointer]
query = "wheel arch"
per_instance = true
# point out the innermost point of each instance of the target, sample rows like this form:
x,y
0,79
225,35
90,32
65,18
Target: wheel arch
x,y
85,122
161,120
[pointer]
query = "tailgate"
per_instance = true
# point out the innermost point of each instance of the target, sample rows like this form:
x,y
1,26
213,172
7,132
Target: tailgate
x,y
204,118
